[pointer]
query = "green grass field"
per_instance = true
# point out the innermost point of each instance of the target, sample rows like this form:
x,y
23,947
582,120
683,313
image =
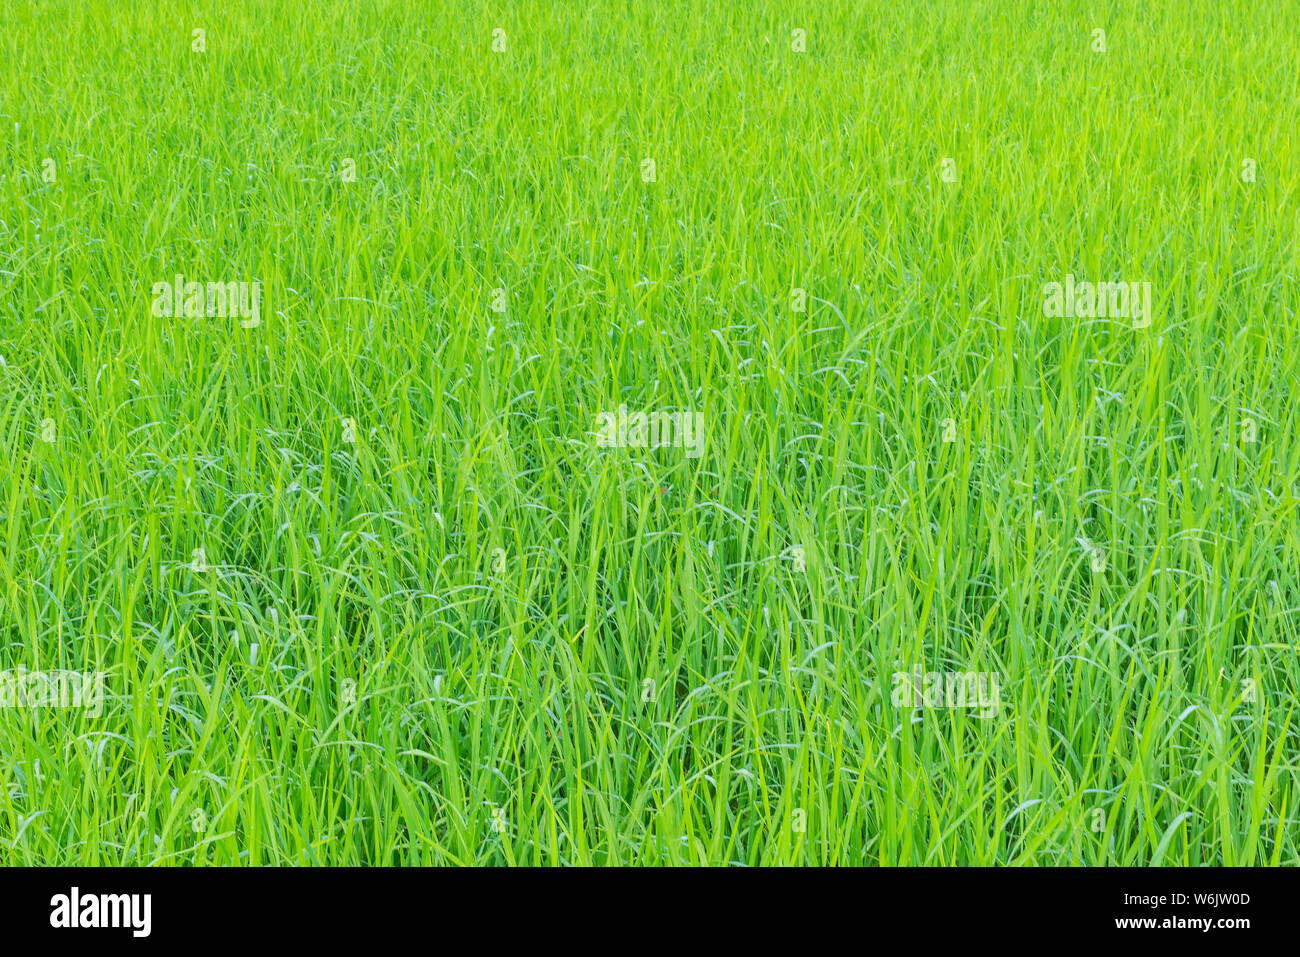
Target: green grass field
x,y
363,586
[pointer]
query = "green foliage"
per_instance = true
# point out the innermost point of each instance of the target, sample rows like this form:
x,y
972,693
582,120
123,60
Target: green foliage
x,y
649,671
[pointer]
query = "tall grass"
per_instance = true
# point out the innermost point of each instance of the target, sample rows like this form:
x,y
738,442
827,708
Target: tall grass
x,y
670,659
